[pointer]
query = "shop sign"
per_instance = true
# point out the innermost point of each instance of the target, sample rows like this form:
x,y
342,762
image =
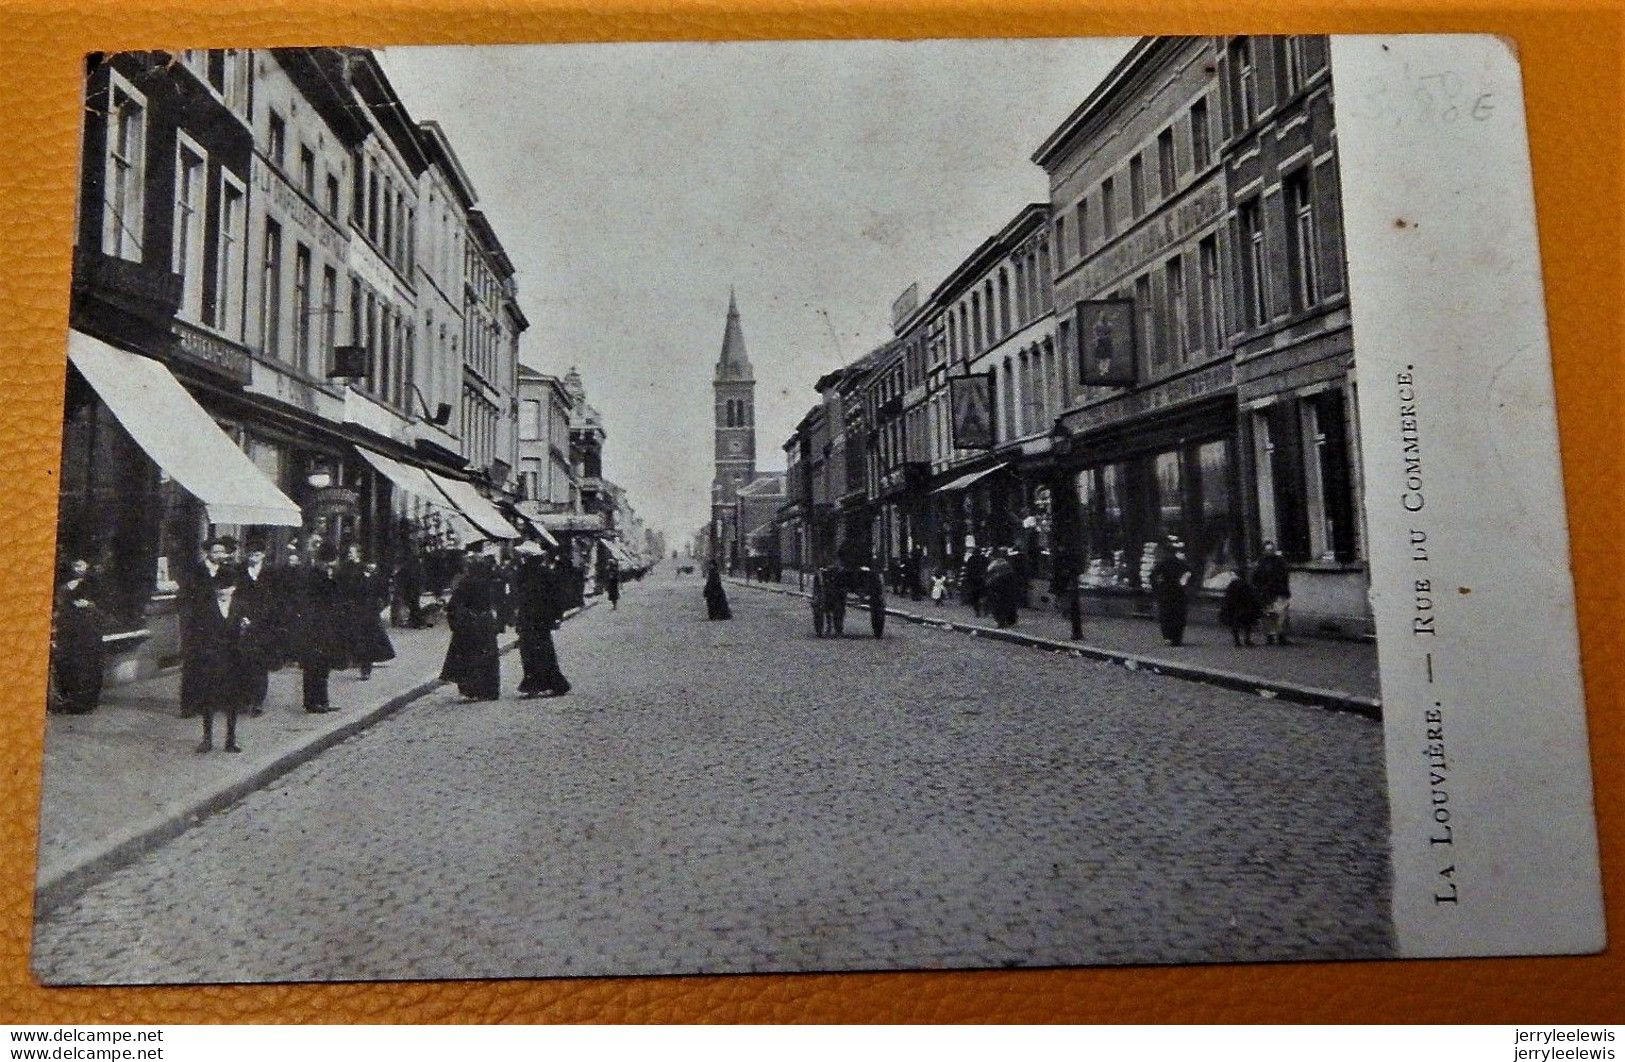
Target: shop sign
x,y
1145,243
212,352
971,401
337,501
299,211
1106,347
1211,380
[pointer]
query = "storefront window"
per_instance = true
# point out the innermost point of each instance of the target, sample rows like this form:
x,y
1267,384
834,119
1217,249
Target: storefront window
x,y
1170,495
1214,545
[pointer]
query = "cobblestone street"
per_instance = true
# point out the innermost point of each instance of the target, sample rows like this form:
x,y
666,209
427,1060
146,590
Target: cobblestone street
x,y
732,797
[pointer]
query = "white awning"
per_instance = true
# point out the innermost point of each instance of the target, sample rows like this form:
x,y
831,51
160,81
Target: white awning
x,y
966,480
410,478
534,522
180,436
470,503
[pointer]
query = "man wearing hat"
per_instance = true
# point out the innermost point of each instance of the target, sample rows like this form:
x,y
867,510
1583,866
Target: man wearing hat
x,y
256,600
315,631
215,651
214,561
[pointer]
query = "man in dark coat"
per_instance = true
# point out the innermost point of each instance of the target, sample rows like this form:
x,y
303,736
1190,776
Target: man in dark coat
x,y
539,608
256,598
975,576
215,649
1169,575
471,658
316,627
612,585
363,593
1273,584
196,580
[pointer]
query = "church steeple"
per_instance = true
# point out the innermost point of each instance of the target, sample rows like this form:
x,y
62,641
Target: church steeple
x,y
734,394
733,364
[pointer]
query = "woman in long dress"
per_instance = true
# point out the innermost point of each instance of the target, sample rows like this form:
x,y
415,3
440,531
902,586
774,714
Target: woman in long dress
x,y
716,598
1169,575
76,652
471,658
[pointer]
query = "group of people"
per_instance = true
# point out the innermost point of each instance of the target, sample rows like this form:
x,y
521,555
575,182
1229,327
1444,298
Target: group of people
x,y
242,617
995,582
532,597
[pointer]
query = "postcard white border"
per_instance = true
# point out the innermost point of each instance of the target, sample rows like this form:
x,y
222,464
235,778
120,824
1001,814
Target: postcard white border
x,y
1493,831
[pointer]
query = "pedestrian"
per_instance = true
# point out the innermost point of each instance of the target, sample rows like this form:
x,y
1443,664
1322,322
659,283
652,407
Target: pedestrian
x,y
939,588
76,644
1169,576
256,599
315,613
471,658
612,586
365,594
1273,584
1001,592
716,598
196,596
1066,588
216,647
538,611
975,579
1239,610
286,587
409,583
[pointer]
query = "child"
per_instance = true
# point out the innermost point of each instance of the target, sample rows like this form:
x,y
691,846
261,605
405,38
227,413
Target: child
x,y
939,588
1240,610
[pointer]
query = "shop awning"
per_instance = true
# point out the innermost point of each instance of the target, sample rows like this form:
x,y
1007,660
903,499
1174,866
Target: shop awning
x,y
472,505
588,522
535,524
966,480
410,478
180,436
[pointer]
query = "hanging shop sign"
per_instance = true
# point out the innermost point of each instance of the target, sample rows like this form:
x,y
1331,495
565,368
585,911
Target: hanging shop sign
x,y
971,401
336,501
1106,347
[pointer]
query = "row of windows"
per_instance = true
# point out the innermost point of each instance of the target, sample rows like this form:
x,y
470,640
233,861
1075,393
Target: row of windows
x,y
1015,295
480,419
736,413
1292,234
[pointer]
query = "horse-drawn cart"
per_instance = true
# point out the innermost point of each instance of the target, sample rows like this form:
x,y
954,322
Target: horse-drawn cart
x,y
830,587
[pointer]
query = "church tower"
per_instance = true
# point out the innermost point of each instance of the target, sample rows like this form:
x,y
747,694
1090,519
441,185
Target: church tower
x,y
734,392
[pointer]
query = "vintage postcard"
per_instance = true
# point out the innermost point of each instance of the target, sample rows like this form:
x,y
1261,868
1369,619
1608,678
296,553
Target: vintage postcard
x,y
808,506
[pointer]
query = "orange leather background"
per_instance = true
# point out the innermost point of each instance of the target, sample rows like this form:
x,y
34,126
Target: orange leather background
x,y
1572,59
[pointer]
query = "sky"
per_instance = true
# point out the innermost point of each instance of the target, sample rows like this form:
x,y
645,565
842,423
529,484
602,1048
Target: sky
x,y
634,185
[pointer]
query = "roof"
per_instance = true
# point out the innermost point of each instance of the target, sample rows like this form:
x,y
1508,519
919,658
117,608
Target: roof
x,y
766,485
1097,101
990,250
733,364
439,151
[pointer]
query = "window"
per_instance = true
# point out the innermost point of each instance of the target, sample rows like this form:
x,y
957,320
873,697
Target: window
x,y
1201,135
122,218
276,141
1060,237
976,320
1254,273
330,310
372,207
1165,161
1170,490
1108,219
1212,319
1136,185
307,171
1004,302
992,318
301,306
271,290
1304,247
530,420
333,196
1083,227
1145,315
1333,529
228,257
1292,64
358,189
191,170
1244,81
1178,317
1023,313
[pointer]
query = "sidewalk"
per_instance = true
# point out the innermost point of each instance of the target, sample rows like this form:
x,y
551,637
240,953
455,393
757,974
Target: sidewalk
x,y
126,777
1335,674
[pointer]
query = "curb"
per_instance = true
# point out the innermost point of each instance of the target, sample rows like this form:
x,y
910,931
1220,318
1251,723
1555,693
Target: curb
x,y
1272,689
68,883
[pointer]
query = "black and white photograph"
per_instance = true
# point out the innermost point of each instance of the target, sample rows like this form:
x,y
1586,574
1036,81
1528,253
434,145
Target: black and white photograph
x,y
719,508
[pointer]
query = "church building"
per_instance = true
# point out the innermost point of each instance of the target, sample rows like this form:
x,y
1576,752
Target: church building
x,y
734,391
